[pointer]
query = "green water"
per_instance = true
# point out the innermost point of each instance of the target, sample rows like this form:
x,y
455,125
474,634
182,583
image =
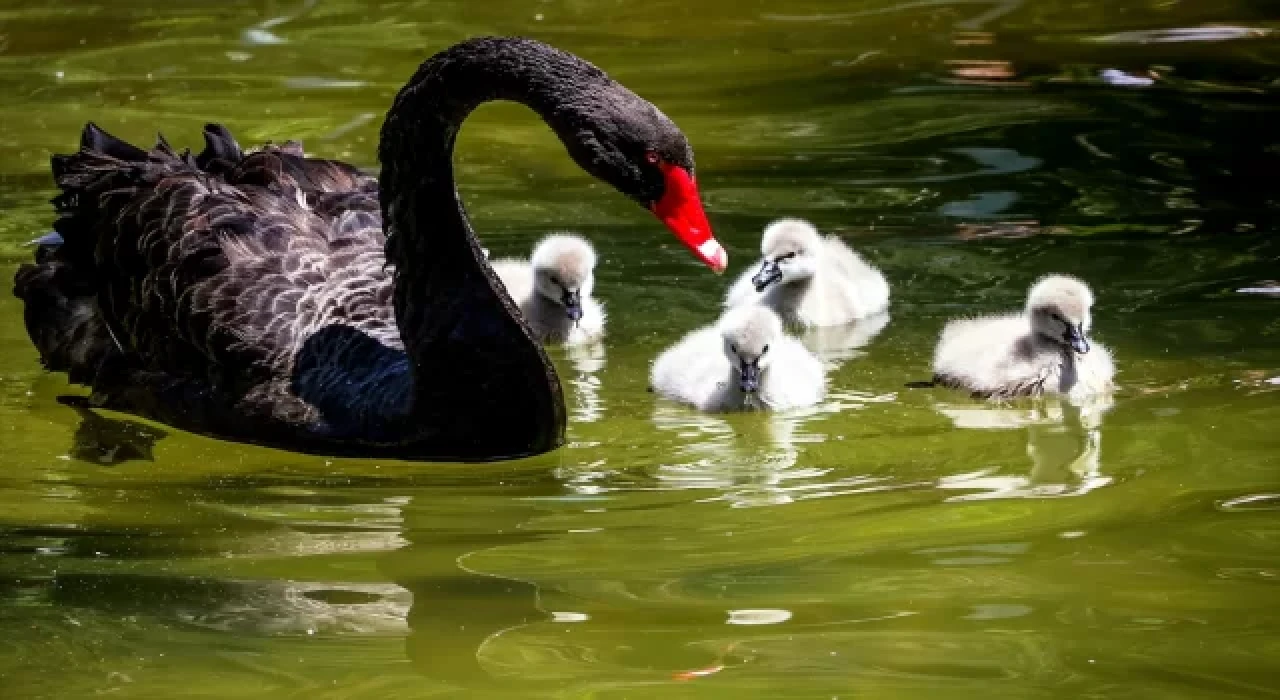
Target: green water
x,y
881,545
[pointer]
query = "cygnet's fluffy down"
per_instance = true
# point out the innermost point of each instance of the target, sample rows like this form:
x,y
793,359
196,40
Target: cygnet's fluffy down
x,y
810,280
743,362
553,289
1045,349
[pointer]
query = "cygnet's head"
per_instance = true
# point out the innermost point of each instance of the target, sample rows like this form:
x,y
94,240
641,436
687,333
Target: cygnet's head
x,y
748,331
563,271
1059,308
790,248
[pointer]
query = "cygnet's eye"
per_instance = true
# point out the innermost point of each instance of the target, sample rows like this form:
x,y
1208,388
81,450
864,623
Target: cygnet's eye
x,y
734,348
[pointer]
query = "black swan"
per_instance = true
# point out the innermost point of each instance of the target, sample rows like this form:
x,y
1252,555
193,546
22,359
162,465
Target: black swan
x,y
298,303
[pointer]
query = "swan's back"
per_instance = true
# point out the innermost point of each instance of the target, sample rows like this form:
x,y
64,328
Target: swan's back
x,y
795,378
694,370
865,287
981,353
995,356
198,278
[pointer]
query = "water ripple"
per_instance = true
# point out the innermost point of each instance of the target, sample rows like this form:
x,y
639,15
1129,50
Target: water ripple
x,y
1257,501
1183,34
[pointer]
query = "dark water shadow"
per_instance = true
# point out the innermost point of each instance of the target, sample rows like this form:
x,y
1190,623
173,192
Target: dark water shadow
x,y
110,441
457,610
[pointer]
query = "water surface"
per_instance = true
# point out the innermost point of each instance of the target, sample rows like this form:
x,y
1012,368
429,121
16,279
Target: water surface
x,y
890,543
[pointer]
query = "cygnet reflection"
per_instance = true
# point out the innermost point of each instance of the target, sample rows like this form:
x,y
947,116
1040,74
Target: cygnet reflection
x,y
1064,445
754,459
748,463
587,361
835,345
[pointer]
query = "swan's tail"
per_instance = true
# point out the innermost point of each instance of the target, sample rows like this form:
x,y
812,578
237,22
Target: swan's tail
x,y
107,172
59,290
61,316
221,153
103,165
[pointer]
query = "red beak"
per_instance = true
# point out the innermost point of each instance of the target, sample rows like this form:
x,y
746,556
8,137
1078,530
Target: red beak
x,y
681,210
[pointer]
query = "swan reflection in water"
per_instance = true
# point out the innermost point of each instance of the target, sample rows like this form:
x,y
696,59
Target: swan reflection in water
x,y
461,610
103,440
274,527
586,361
1064,444
753,459
320,608
287,521
835,345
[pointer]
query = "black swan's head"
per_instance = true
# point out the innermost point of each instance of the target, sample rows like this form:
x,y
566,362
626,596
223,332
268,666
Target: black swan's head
x,y
625,141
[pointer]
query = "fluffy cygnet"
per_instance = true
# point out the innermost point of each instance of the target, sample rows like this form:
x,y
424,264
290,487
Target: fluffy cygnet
x,y
743,362
553,289
810,280
1045,349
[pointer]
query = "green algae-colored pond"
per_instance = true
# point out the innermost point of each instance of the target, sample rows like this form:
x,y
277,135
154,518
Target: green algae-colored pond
x,y
892,542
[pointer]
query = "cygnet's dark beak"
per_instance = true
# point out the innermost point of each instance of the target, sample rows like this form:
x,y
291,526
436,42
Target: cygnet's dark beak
x,y
749,377
1079,343
572,301
768,274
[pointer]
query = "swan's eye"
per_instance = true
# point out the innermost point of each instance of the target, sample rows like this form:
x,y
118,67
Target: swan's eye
x,y
786,256
764,350
652,157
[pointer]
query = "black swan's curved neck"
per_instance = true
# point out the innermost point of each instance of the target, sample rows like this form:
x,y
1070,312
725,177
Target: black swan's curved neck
x,y
480,376
416,148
